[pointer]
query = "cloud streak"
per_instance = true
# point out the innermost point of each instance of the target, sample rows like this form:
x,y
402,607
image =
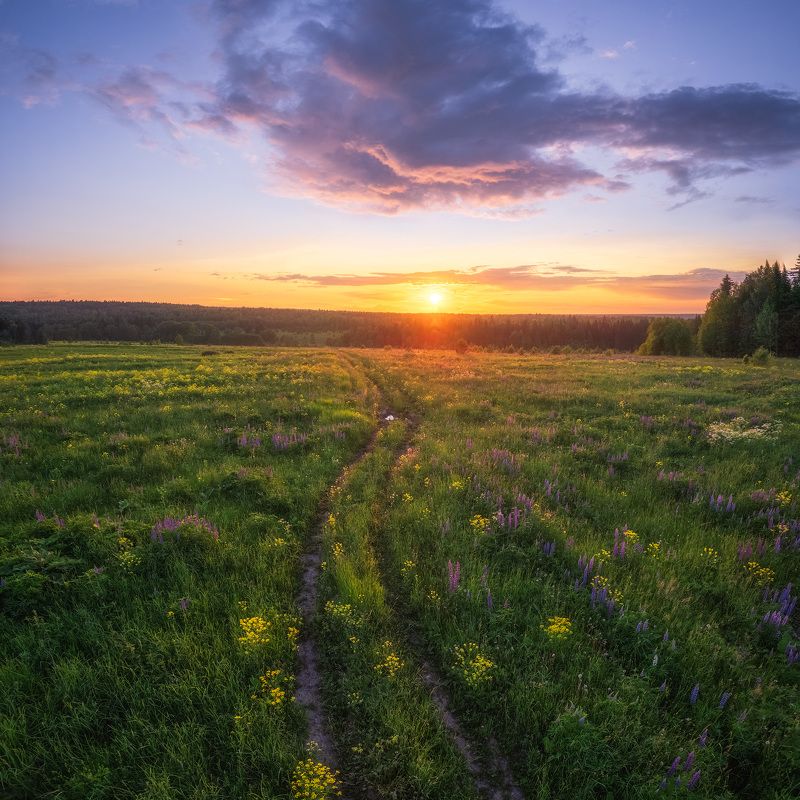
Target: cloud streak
x,y
693,285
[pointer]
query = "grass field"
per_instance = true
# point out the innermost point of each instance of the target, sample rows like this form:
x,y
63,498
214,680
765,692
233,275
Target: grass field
x,y
546,577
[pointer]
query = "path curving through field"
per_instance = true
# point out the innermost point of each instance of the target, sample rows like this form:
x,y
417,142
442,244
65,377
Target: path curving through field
x,y
308,681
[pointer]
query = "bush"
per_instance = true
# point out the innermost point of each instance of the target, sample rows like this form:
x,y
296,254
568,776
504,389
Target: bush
x,y
761,357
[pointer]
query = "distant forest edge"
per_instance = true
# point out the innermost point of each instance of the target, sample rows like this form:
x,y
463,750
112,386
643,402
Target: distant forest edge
x,y
760,314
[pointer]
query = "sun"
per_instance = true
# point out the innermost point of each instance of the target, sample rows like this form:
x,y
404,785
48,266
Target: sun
x,y
435,298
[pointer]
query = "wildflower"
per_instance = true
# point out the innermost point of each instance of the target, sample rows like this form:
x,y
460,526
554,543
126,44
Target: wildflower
x,y
454,575
274,687
184,603
694,780
312,780
291,634
703,738
674,767
723,701
479,523
407,498
390,662
654,549
255,632
558,627
663,687
631,536
408,567
337,550
473,667
710,555
694,693
762,576
331,521
689,761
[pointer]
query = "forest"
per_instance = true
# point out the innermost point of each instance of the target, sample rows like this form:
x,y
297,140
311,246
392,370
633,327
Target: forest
x,y
762,312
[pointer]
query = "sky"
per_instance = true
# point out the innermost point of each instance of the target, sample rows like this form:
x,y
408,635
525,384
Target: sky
x,y
482,156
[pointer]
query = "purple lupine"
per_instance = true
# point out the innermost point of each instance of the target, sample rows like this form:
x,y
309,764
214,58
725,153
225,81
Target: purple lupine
x,y
689,761
703,739
489,601
674,767
693,781
454,574
40,517
98,570
184,603
723,700
792,654
665,637
549,548
663,687
695,692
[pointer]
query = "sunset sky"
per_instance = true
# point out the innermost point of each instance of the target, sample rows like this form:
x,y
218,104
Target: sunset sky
x,y
578,156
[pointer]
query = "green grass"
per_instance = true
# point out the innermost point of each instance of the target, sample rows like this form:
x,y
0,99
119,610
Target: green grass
x,y
122,670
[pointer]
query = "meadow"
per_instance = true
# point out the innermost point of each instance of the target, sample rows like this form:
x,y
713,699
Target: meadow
x,y
298,573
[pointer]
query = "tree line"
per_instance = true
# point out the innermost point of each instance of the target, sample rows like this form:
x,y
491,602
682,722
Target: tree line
x,y
762,313
40,321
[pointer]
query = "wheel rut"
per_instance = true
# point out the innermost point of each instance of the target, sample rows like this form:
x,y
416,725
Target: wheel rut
x,y
490,771
308,692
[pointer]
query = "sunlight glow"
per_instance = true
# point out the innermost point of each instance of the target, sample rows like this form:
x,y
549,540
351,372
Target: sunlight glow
x,y
435,298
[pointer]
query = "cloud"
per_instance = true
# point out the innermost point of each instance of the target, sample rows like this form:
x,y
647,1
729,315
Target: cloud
x,y
748,198
609,55
694,285
453,104
402,105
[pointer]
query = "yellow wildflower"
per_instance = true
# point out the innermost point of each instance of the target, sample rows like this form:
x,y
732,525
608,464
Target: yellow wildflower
x,y
473,667
255,632
313,780
558,627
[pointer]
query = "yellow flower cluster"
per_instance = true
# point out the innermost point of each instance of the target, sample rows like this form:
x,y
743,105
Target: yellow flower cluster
x,y
255,632
710,554
763,576
473,667
654,549
407,498
337,550
128,559
331,521
433,596
603,555
456,484
784,498
276,542
274,687
341,611
601,582
479,523
408,566
313,780
631,536
558,627
291,634
390,662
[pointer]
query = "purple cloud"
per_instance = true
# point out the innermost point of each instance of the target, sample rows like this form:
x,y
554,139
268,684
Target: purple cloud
x,y
411,104
454,104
